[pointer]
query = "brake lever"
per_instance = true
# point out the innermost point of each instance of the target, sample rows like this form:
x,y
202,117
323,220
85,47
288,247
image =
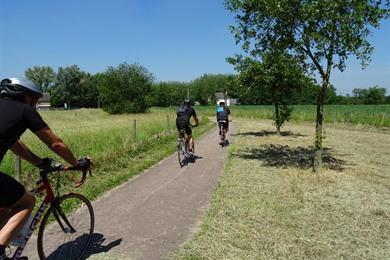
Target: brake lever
x,y
81,181
83,178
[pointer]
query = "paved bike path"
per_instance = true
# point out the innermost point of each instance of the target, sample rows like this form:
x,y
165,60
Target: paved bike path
x,y
155,212
149,216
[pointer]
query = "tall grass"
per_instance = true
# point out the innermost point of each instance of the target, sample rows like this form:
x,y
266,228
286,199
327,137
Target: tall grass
x,y
93,132
374,115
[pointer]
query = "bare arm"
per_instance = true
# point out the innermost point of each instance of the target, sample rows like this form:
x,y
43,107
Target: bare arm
x,y
56,145
21,150
196,120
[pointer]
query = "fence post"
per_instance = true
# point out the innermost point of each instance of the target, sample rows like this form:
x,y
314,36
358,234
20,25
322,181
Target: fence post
x,y
18,167
168,123
134,131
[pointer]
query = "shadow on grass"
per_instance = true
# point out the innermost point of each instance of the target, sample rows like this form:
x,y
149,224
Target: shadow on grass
x,y
267,133
284,156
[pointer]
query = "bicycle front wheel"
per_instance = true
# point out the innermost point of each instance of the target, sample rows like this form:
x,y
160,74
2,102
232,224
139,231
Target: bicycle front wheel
x,y
67,228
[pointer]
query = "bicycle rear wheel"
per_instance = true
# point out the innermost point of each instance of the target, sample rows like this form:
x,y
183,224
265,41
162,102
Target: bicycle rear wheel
x,y
64,234
181,153
222,141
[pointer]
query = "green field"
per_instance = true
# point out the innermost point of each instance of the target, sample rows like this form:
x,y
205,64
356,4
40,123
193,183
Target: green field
x,y
374,115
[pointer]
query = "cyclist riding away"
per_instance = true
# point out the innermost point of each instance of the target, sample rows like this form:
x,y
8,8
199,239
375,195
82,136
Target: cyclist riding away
x,y
223,113
184,113
18,99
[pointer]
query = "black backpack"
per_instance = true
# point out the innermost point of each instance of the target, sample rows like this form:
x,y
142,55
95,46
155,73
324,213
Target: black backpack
x,y
182,113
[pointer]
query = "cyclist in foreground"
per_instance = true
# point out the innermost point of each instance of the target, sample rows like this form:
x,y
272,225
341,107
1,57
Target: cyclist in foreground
x,y
222,114
184,114
18,99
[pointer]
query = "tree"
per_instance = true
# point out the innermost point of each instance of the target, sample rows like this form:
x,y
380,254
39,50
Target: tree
x,y
323,34
204,87
169,93
69,87
43,76
126,89
90,93
278,79
375,95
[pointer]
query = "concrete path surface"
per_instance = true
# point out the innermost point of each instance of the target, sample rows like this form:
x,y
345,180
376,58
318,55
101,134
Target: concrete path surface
x,y
149,216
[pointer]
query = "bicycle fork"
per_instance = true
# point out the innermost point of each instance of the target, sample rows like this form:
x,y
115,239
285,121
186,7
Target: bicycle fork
x,y
59,214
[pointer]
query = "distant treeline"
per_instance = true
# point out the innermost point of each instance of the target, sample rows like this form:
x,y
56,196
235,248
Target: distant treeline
x,y
132,88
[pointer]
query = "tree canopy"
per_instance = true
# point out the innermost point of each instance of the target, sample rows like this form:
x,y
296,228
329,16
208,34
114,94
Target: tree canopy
x,y
126,88
322,34
43,76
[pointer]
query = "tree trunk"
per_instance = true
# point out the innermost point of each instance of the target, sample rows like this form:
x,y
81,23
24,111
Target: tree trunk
x,y
317,164
277,118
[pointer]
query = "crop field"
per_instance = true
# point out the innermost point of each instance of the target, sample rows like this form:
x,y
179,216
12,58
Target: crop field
x,y
374,115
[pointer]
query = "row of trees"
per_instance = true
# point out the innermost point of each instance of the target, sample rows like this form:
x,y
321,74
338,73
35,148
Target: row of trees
x,y
121,89
255,84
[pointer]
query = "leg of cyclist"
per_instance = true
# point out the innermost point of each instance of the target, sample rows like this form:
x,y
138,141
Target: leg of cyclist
x,y
190,142
16,205
18,215
189,139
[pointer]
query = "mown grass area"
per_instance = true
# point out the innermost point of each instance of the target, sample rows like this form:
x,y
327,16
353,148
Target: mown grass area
x,y
374,115
108,139
269,204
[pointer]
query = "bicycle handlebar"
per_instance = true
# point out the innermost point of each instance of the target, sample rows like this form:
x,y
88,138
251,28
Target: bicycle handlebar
x,y
84,165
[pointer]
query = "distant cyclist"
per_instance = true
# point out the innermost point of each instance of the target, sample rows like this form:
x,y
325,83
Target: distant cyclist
x,y
223,113
184,114
18,99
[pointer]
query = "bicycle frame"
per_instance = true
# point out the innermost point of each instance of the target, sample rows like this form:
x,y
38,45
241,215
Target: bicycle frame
x,y
44,186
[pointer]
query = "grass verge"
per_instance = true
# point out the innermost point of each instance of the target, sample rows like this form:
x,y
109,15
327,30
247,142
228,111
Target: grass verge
x,y
269,205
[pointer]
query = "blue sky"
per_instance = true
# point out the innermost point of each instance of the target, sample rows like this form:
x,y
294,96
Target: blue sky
x,y
176,40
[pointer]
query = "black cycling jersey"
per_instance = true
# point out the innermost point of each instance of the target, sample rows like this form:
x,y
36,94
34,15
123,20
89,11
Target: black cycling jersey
x,y
15,118
184,114
223,113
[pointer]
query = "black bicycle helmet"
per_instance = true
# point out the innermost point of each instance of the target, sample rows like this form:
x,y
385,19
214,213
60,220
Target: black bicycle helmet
x,y
16,87
187,102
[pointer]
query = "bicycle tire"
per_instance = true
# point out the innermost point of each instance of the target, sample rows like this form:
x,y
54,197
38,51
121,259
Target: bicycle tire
x,y
56,239
180,154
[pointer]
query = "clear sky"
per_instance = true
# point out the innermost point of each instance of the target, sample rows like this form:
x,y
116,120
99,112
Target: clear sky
x,y
176,40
